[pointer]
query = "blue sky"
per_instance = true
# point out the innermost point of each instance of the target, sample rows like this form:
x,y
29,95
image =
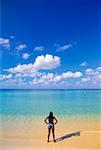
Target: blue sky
x,y
50,44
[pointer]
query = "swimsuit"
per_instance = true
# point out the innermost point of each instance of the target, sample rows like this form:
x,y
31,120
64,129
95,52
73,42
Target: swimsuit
x,y
50,125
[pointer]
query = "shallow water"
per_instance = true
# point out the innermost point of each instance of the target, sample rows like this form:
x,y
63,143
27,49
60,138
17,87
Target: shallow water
x,y
21,110
40,102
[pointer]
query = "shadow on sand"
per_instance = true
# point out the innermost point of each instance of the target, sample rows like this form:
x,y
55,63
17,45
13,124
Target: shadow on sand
x,y
68,136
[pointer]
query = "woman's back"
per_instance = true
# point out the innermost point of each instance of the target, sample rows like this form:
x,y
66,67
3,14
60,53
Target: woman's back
x,y
50,119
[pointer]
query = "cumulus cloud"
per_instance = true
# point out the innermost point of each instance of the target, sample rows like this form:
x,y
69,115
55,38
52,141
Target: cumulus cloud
x,y
64,47
39,48
13,83
27,75
85,79
21,68
98,68
98,77
70,74
41,62
83,64
39,78
51,78
45,79
21,47
47,62
5,42
90,71
93,72
25,55
57,80
3,76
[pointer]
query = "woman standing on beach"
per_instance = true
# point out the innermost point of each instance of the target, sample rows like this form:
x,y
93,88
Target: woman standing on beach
x,y
51,124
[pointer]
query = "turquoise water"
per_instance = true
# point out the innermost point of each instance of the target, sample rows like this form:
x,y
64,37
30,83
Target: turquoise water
x,y
21,111
41,102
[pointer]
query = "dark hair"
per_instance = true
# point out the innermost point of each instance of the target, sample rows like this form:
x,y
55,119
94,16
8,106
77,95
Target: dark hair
x,y
51,114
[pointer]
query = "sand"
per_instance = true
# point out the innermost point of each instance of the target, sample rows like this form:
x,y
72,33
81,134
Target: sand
x,y
36,139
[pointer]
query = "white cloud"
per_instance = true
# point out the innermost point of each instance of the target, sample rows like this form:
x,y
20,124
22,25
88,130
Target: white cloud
x,y
41,62
25,55
97,77
85,79
56,80
3,76
67,79
90,71
98,68
39,48
45,79
83,64
21,68
5,43
47,62
13,83
21,47
51,78
64,47
10,81
25,75
93,72
70,74
21,82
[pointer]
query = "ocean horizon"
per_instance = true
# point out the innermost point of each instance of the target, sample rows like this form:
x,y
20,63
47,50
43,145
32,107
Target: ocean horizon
x,y
51,89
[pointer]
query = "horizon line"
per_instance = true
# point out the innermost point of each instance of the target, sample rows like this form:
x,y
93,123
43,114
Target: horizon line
x,y
52,89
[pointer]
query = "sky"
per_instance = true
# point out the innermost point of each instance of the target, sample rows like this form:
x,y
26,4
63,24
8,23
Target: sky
x,y
50,44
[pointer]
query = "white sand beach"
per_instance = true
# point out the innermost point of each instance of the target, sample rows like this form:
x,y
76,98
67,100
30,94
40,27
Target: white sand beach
x,y
89,138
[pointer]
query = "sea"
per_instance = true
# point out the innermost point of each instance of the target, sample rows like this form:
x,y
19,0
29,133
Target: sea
x,y
24,108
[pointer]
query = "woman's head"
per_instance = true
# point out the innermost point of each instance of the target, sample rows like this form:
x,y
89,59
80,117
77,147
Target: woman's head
x,y
51,114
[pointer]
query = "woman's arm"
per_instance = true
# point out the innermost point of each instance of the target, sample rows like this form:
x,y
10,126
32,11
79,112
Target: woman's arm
x,y
46,120
55,120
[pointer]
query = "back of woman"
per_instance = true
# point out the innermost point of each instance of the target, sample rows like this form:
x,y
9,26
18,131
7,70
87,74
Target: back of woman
x,y
51,119
51,122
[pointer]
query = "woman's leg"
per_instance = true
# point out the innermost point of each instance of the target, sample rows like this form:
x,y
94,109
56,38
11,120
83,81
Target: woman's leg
x,y
53,130
48,133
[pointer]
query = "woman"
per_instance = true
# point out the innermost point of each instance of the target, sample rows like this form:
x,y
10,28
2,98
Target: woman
x,y
51,124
